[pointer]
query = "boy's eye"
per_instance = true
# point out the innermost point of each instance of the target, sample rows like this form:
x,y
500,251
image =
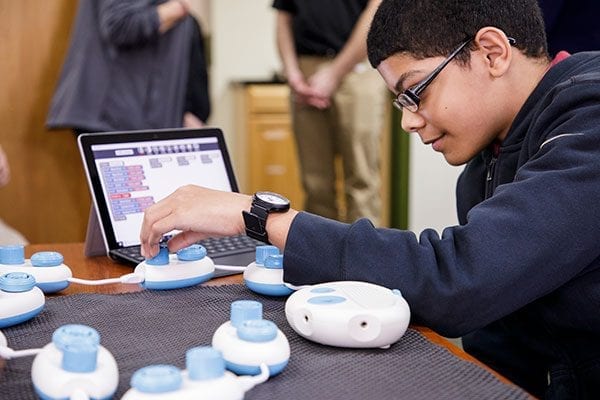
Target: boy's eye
x,y
410,84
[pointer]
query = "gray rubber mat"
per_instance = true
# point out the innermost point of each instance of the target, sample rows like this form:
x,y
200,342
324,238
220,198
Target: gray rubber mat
x,y
157,327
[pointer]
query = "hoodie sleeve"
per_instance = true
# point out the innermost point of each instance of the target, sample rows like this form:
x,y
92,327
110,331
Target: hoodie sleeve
x,y
125,23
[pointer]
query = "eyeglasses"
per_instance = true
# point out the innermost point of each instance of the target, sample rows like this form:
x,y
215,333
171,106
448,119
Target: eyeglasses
x,y
410,99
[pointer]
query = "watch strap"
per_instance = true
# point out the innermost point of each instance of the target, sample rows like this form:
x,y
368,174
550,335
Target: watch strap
x,y
259,211
256,224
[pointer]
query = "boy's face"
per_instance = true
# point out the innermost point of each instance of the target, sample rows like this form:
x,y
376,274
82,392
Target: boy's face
x,y
460,112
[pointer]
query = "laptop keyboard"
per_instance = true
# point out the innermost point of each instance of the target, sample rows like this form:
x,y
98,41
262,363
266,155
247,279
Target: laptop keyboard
x,y
229,245
215,247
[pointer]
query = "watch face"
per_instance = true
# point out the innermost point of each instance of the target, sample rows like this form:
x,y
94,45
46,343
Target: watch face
x,y
272,198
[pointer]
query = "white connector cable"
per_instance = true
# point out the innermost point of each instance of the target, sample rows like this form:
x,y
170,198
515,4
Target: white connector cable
x,y
127,279
248,382
294,287
230,268
7,353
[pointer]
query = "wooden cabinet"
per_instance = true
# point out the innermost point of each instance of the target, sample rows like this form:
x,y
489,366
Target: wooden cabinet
x,y
268,144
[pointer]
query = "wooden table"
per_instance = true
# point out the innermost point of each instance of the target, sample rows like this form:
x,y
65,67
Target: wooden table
x,y
102,267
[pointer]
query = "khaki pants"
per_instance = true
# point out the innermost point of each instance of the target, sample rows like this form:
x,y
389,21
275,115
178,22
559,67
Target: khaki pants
x,y
351,129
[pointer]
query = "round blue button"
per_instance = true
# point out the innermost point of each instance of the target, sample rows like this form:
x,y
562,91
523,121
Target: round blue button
x,y
17,282
262,252
274,261
12,255
194,252
325,300
79,345
75,333
243,310
204,363
258,330
80,357
157,379
46,259
322,289
162,258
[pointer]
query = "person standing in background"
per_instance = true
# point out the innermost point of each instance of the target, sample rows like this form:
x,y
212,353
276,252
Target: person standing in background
x,y
337,102
132,65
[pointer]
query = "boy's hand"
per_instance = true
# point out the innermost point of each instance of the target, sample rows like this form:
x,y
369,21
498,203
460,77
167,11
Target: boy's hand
x,y
4,168
197,212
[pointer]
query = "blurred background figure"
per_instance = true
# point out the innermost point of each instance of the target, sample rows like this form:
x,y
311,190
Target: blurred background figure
x,y
8,235
571,25
132,64
337,102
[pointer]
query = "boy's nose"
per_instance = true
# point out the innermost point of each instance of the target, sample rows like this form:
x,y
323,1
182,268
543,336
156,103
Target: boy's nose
x,y
412,122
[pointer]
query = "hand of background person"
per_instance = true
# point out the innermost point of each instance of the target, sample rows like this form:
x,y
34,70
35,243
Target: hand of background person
x,y
323,83
4,168
301,91
190,120
171,12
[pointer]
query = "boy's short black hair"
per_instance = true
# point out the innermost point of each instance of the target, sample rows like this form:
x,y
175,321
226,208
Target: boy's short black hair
x,y
430,28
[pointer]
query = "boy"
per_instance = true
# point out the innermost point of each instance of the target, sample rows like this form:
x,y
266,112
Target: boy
x,y
520,277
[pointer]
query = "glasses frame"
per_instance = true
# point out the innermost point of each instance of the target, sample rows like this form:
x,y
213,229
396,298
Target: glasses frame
x,y
410,98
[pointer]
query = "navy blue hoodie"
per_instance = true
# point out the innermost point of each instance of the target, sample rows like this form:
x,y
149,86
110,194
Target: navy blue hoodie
x,y
520,275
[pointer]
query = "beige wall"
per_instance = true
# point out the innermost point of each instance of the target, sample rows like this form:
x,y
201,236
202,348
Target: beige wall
x,y
432,185
201,9
243,48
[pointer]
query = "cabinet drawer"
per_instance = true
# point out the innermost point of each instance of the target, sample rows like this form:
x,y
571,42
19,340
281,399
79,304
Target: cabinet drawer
x,y
268,98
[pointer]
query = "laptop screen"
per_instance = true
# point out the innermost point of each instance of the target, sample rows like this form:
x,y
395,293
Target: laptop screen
x,y
130,171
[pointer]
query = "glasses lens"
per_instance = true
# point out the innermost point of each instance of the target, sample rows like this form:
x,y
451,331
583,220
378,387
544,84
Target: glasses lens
x,y
404,101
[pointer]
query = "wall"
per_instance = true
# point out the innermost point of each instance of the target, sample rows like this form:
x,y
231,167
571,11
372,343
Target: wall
x,y
432,181
201,10
243,48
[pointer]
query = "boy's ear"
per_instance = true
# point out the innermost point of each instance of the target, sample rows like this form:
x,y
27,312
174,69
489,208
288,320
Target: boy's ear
x,y
496,49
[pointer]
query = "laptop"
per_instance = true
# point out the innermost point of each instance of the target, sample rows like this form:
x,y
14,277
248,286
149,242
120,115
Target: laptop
x,y
131,170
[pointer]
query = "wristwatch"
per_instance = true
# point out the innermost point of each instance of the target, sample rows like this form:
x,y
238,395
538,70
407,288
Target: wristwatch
x,y
263,203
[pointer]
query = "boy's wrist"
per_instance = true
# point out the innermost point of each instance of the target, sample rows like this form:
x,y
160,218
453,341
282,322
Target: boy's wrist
x,y
264,205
